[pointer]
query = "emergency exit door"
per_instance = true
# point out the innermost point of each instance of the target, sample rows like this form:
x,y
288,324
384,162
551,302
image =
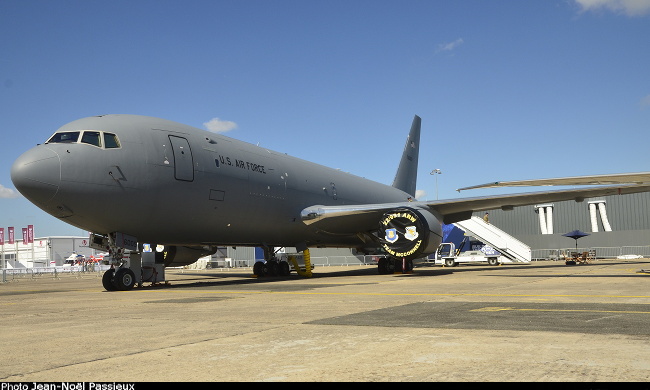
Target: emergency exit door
x,y
183,162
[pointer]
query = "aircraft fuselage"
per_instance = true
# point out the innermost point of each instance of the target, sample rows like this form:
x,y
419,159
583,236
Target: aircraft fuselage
x,y
174,184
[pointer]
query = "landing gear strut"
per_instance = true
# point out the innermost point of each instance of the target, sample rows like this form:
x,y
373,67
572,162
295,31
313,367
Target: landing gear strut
x,y
121,275
389,265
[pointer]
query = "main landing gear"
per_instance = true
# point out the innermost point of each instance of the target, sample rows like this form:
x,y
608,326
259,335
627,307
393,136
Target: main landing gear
x,y
272,267
389,265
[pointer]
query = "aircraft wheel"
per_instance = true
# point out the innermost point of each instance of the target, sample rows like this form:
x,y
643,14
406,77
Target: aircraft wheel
x,y
259,268
284,269
124,279
382,266
272,267
390,266
107,280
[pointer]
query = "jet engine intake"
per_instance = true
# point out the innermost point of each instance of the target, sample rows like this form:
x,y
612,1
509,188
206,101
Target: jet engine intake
x,y
178,256
409,233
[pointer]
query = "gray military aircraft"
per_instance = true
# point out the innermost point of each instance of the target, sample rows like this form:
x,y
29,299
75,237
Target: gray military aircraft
x,y
134,179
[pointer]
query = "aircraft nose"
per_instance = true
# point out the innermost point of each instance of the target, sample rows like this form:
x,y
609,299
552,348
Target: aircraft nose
x,y
37,174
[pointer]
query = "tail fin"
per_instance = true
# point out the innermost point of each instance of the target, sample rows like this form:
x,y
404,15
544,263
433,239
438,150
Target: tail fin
x,y
407,173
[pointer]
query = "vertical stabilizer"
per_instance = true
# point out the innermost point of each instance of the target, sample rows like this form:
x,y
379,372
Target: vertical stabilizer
x,y
407,173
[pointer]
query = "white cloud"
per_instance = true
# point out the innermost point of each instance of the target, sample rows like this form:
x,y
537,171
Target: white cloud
x,y
645,102
450,45
216,125
420,194
627,7
7,193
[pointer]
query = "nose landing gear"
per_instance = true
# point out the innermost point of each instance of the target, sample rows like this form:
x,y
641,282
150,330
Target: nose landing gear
x,y
121,279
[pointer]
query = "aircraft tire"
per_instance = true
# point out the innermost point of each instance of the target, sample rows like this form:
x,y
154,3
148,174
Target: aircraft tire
x,y
272,268
284,269
259,268
382,266
107,280
390,266
124,279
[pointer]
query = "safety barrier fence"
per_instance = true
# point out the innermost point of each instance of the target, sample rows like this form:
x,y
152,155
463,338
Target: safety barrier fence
x,y
12,274
97,270
601,252
321,261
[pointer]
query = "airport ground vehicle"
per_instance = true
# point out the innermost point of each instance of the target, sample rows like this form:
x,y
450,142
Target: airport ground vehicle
x,y
446,255
74,259
481,242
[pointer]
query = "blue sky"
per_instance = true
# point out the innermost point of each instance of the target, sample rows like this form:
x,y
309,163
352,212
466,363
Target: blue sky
x,y
507,89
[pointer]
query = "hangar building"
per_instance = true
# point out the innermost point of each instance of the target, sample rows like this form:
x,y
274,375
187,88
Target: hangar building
x,y
43,252
610,221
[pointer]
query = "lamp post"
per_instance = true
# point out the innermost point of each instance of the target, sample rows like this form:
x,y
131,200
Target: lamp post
x,y
436,172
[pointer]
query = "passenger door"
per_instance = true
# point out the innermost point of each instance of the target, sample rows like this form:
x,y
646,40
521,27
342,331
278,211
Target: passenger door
x,y
183,162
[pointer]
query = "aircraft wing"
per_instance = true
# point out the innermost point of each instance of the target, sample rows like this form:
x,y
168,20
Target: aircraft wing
x,y
621,178
506,202
363,218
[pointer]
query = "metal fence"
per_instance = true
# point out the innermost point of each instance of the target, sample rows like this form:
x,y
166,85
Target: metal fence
x,y
601,252
97,270
321,261
13,274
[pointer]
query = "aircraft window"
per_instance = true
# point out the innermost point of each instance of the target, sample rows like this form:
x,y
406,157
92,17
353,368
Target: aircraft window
x,y
91,137
111,141
64,137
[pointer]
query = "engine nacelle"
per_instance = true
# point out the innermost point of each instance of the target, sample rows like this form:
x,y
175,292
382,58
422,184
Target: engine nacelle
x,y
178,256
409,233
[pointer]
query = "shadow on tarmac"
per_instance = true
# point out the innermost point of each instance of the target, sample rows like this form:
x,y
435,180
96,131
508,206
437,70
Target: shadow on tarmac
x,y
211,279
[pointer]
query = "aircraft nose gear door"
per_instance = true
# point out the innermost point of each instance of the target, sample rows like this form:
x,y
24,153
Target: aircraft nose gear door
x,y
183,162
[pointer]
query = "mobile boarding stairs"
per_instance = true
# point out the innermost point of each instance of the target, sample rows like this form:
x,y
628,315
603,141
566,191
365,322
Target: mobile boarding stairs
x,y
500,247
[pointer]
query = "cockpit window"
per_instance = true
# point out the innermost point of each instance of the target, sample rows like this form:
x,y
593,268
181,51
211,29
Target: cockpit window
x,y
64,137
111,141
91,137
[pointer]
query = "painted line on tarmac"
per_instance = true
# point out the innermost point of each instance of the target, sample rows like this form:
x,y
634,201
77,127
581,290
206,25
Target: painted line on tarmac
x,y
498,308
415,294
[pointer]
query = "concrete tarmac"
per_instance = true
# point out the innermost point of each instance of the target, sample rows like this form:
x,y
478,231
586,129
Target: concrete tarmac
x,y
542,321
